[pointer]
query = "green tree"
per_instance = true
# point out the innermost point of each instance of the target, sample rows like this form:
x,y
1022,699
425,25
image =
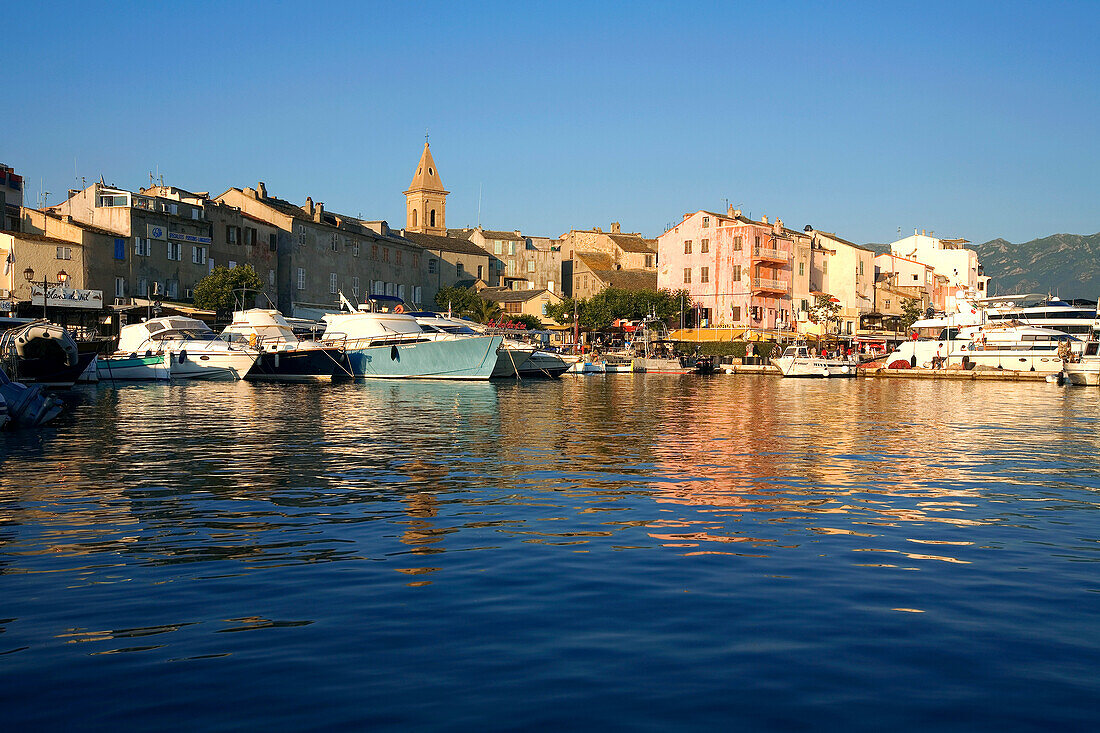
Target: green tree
x,y
610,304
529,321
224,289
824,310
484,311
461,301
911,312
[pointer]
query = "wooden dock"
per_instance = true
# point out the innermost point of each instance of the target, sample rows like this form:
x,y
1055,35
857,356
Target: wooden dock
x,y
972,375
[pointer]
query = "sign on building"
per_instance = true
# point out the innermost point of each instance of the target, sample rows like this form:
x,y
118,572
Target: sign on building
x,y
157,231
61,297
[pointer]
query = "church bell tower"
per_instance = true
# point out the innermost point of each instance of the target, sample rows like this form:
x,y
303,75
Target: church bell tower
x,y
426,200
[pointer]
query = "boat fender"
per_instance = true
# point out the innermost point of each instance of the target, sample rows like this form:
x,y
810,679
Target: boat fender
x,y
844,369
825,371
393,352
182,356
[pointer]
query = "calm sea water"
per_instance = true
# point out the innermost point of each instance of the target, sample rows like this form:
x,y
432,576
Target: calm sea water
x,y
611,552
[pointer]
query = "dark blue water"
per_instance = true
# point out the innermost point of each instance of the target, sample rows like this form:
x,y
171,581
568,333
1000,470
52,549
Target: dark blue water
x,y
603,553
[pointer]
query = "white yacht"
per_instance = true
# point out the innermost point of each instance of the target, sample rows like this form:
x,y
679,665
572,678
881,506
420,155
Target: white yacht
x,y
283,356
193,350
798,360
1015,347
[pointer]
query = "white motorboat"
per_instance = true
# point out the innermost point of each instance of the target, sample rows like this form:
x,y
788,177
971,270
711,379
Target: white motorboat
x,y
587,365
192,348
799,360
1016,347
284,356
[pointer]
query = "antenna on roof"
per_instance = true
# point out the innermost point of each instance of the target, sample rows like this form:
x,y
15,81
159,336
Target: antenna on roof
x,y
479,204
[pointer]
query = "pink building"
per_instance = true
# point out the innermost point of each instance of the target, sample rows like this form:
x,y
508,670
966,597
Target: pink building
x,y
738,271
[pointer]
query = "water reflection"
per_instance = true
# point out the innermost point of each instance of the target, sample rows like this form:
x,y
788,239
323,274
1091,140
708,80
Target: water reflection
x,y
264,475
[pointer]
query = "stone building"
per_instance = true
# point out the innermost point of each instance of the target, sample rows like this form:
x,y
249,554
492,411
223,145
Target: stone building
x,y
106,262
321,253
11,197
532,302
613,251
450,261
160,236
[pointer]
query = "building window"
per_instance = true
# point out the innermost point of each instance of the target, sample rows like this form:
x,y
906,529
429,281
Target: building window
x,y
704,274
416,261
332,283
433,265
498,246
704,246
887,303
230,234
738,243
175,252
385,254
120,287
806,305
687,274
801,269
649,261
480,272
142,247
417,298
198,255
172,288
374,251
530,266
379,287
513,307
120,249
301,234
301,278
333,243
861,267
511,248
143,287
736,312
196,213
64,253
737,273
432,217
271,278
825,267
232,264
687,246
355,288
272,242
397,256
401,292
249,236
706,222
355,248
460,268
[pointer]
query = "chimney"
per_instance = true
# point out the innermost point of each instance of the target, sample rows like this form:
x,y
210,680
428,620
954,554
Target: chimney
x,y
319,212
763,218
599,231
309,206
261,190
615,229
778,225
730,210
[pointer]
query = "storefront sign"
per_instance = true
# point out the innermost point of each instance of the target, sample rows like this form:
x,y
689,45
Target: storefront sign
x,y
157,231
189,238
62,297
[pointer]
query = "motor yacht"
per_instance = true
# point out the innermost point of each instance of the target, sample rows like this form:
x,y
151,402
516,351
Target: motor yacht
x,y
192,348
799,360
1016,347
283,355
384,342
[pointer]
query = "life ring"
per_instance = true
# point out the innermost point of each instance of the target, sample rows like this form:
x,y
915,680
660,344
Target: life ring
x,y
398,308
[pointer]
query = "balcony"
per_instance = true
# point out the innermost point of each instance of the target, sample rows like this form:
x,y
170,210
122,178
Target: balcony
x,y
763,284
771,254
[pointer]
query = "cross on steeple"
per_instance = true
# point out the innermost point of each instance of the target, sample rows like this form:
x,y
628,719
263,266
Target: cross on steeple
x,y
425,137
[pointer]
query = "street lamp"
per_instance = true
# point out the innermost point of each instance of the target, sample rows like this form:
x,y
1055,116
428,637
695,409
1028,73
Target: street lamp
x,y
62,278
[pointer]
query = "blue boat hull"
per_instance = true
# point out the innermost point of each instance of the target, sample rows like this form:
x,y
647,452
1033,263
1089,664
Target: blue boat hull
x,y
466,358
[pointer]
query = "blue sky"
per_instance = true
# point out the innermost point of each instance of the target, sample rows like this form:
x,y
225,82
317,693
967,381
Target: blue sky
x,y
969,119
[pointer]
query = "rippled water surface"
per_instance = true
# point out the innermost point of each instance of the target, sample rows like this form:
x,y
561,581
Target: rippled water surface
x,y
613,552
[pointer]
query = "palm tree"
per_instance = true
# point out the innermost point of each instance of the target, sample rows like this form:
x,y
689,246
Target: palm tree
x,y
484,311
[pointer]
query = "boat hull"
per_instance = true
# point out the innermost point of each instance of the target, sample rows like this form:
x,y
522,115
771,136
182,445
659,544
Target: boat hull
x,y
1084,373
808,367
133,368
300,365
1045,361
510,362
211,365
656,365
541,364
472,358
